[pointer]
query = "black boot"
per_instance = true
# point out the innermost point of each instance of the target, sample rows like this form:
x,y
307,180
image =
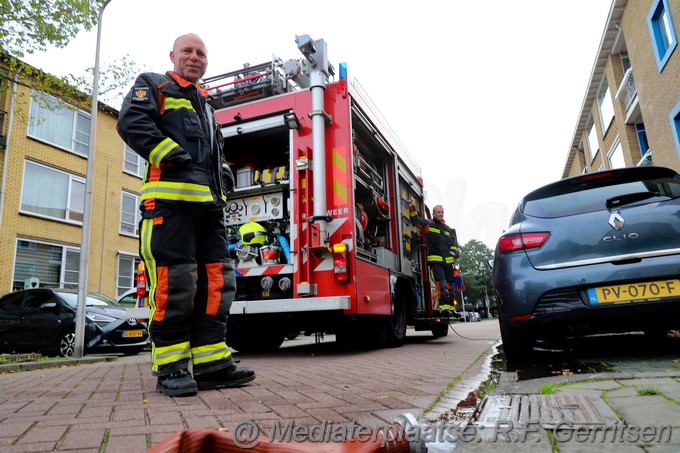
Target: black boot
x,y
179,383
226,377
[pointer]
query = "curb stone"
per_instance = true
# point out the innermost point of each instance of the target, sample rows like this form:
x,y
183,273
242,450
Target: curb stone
x,y
41,365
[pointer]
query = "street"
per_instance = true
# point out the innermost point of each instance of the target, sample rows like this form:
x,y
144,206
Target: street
x,y
113,406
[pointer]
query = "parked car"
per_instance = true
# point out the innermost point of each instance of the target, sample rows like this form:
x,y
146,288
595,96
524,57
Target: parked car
x,y
590,254
469,316
129,301
43,320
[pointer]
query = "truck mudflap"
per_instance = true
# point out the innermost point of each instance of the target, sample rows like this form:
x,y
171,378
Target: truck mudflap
x,y
242,307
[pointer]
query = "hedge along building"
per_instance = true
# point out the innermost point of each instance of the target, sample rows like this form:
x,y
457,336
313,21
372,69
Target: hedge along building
x,y
631,110
43,154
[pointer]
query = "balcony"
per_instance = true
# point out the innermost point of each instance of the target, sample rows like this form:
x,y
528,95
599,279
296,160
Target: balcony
x,y
627,95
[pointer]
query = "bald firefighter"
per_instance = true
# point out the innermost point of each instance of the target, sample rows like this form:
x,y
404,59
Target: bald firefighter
x,y
165,119
442,251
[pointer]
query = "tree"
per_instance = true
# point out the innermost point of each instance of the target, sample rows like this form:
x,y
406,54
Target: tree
x,y
29,26
474,266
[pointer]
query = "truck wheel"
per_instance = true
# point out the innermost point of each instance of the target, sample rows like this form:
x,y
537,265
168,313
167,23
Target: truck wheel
x,y
517,345
259,336
395,324
440,330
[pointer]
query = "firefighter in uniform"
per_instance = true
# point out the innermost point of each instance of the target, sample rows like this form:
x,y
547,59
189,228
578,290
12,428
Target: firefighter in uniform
x,y
442,251
183,241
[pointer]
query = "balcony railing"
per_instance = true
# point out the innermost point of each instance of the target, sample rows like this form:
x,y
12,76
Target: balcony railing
x,y
627,91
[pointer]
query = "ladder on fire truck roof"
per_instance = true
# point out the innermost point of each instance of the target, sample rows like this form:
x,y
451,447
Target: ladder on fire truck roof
x,y
275,77
257,81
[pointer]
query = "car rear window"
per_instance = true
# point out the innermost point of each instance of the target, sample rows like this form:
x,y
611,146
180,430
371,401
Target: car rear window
x,y
566,200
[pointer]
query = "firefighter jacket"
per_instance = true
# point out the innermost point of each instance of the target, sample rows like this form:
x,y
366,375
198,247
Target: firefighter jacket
x,y
442,243
166,120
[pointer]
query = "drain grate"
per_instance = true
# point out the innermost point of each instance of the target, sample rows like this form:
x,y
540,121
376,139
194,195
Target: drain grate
x,y
547,410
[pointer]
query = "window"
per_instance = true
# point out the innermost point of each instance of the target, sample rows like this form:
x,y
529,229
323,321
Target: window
x,y
664,39
129,214
11,304
52,193
675,125
591,132
133,162
605,106
59,124
45,265
565,199
127,270
615,155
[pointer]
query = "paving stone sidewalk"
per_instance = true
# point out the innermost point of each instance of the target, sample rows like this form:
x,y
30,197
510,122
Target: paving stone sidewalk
x,y
112,407
641,396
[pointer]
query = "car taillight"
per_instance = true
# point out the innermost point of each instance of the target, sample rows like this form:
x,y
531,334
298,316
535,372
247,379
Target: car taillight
x,y
340,262
514,242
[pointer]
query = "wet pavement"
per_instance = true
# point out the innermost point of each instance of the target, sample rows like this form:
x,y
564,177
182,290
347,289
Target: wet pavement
x,y
616,393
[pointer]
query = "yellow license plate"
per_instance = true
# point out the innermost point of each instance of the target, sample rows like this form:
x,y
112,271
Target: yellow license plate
x,y
133,333
635,292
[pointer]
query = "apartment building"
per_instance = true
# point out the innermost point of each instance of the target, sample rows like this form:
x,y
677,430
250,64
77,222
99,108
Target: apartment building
x,y
44,152
631,110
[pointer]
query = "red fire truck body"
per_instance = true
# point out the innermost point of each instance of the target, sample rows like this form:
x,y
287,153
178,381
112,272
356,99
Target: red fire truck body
x,y
319,218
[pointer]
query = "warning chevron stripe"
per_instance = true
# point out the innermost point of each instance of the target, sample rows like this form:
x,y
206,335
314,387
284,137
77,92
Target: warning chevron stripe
x,y
265,270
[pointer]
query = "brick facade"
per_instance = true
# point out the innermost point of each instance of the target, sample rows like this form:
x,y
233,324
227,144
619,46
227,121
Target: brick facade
x,y
109,179
658,92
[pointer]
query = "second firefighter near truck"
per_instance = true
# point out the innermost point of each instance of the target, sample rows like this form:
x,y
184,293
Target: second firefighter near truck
x,y
183,242
442,251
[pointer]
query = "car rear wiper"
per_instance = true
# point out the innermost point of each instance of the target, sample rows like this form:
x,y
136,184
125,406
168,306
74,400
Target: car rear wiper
x,y
629,198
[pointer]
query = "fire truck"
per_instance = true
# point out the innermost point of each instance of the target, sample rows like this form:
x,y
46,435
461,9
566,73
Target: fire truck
x,y
318,219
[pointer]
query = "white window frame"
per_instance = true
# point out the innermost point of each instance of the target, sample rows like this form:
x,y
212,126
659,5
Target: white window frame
x,y
126,282
44,104
616,151
605,106
69,210
136,214
68,255
591,137
133,163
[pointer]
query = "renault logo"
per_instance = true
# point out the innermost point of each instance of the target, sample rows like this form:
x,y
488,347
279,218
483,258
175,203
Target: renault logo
x,y
616,221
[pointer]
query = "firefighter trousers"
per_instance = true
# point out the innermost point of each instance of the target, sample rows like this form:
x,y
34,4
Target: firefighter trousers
x,y
191,288
443,276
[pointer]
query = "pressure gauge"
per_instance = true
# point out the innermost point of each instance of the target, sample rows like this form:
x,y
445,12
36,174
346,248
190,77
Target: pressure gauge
x,y
255,209
275,201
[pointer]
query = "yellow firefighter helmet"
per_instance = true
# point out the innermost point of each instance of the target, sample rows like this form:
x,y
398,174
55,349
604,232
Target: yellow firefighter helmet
x,y
252,233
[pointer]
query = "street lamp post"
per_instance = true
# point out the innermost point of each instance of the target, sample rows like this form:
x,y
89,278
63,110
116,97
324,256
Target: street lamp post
x,y
85,239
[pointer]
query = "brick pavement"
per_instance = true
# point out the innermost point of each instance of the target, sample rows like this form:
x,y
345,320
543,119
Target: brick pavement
x,y
113,407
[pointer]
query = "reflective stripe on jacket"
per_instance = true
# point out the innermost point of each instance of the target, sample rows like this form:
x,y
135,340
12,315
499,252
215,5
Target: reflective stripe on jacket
x,y
441,239
166,120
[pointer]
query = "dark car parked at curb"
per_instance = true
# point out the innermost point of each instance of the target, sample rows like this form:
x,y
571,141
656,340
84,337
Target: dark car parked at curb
x,y
596,253
43,320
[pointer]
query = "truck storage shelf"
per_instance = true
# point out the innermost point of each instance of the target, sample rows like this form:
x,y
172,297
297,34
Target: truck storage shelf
x,y
257,189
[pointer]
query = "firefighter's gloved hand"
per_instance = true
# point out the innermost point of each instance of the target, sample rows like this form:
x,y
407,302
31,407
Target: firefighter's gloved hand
x,y
227,179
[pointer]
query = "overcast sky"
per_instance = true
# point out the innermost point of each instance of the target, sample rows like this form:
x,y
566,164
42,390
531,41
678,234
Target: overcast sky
x,y
485,95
